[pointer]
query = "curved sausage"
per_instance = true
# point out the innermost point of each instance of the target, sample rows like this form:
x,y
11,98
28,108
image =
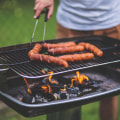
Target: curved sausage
x,y
71,49
92,48
77,57
49,59
50,45
36,49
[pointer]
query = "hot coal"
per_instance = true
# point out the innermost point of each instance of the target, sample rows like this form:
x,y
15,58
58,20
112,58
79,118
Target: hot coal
x,y
57,88
28,99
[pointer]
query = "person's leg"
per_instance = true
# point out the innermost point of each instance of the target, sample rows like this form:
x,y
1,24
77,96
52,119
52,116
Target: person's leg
x,y
64,32
109,107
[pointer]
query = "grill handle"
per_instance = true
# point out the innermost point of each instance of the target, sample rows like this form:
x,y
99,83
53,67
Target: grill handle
x,y
1,70
2,65
4,69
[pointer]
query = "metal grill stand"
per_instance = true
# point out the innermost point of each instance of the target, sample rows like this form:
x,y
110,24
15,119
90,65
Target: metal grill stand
x,y
69,114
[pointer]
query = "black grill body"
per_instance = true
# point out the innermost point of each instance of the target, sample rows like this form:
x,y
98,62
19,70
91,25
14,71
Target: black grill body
x,y
97,69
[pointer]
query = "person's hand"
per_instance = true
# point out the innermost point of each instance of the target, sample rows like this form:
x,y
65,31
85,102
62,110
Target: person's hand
x,y
41,4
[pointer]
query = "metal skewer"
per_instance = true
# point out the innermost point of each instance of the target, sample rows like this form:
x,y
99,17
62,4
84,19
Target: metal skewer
x,y
46,13
45,25
34,30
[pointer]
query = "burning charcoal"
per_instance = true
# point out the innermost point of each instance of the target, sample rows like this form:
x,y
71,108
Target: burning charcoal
x,y
40,98
73,90
95,81
28,99
64,95
90,82
85,91
82,86
56,96
73,95
49,97
95,87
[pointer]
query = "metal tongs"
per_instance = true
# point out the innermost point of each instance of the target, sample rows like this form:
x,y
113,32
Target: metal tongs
x,y
45,20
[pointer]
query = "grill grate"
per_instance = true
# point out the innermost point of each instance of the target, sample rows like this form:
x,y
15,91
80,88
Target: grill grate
x,y
18,60
33,69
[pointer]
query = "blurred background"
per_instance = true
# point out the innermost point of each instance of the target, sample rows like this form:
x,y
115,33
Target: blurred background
x,y
16,27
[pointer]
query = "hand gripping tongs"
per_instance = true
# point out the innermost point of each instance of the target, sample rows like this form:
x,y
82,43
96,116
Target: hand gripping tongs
x,y
46,13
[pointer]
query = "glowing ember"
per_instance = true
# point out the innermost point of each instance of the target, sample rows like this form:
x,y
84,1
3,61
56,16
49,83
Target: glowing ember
x,y
79,78
43,72
64,88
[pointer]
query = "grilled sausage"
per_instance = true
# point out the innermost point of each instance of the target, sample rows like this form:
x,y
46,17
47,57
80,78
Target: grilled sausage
x,y
62,50
50,45
92,48
77,57
36,49
49,59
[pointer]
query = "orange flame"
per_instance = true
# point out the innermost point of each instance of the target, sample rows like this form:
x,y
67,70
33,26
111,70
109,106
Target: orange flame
x,y
43,72
79,78
27,84
47,88
50,78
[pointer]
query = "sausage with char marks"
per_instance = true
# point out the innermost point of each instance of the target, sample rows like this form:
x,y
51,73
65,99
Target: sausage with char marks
x,y
62,50
92,48
36,49
77,57
49,59
66,44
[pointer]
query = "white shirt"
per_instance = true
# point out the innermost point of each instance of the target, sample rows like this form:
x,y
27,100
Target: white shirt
x,y
88,14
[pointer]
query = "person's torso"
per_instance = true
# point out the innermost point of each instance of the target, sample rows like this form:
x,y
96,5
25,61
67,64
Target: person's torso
x,y
88,14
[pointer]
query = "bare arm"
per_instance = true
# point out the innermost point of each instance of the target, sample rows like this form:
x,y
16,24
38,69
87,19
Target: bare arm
x,y
41,4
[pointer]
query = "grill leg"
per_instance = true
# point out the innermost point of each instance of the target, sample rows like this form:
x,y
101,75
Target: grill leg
x,y
69,114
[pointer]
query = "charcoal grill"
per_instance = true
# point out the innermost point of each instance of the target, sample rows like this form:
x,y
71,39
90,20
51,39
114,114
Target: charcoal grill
x,y
15,64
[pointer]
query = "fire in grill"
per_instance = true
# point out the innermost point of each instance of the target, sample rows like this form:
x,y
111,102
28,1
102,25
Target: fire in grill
x,y
50,88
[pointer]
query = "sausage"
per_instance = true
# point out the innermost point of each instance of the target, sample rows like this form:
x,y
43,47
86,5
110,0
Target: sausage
x,y
92,48
50,45
36,49
77,57
62,50
49,59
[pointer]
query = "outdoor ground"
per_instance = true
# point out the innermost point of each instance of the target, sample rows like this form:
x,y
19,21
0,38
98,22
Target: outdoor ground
x,y
16,27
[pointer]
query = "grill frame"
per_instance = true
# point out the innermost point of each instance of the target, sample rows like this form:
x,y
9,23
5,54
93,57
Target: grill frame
x,y
34,71
30,110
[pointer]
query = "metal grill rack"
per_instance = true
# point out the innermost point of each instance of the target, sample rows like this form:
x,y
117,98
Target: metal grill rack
x,y
18,60
34,69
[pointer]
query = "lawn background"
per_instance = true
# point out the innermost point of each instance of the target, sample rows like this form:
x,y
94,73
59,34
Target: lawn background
x,y
16,27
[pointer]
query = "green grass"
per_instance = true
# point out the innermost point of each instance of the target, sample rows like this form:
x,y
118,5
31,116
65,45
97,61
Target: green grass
x,y
17,23
16,27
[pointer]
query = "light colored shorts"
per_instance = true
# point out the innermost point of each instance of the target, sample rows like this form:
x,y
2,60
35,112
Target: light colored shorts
x,y
64,32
